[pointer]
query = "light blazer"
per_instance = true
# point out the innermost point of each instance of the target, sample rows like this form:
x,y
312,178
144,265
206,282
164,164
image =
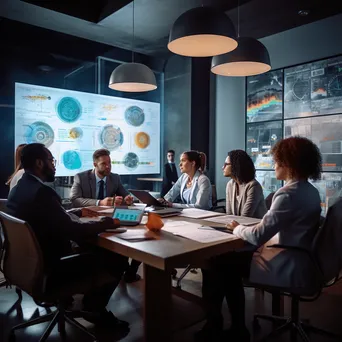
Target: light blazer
x,y
252,202
201,193
293,219
83,191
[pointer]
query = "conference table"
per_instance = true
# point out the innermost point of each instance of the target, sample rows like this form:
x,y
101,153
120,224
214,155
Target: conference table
x,y
159,257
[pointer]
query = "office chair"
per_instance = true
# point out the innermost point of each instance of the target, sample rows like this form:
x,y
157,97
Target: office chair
x,y
326,259
24,267
4,282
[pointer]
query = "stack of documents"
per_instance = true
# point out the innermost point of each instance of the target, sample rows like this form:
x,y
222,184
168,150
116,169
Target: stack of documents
x,y
246,221
195,231
198,213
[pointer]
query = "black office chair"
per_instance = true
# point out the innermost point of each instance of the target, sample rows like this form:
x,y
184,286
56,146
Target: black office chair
x,y
216,201
24,267
327,265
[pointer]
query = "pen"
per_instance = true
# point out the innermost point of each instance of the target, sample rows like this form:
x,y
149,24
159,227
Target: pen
x,y
113,200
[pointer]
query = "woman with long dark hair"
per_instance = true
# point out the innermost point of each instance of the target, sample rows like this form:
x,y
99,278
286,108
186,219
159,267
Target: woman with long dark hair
x,y
18,169
244,195
193,186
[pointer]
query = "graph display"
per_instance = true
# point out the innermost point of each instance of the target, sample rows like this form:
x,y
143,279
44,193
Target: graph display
x,y
325,132
313,89
268,181
260,139
329,188
264,96
74,124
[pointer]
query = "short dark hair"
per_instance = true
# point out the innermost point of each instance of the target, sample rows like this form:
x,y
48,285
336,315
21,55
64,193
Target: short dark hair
x,y
100,153
171,151
31,153
300,155
243,169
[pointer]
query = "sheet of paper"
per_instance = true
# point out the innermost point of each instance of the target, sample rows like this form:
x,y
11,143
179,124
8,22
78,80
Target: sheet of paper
x,y
191,231
247,221
198,213
136,235
106,211
89,219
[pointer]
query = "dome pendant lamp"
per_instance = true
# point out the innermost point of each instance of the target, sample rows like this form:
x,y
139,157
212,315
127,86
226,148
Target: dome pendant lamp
x,y
249,58
132,77
202,32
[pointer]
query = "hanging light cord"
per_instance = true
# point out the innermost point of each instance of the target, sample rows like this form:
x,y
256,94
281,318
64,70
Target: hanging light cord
x,y
133,36
238,25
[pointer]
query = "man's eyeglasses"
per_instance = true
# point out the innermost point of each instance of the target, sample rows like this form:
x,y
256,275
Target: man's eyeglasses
x,y
53,160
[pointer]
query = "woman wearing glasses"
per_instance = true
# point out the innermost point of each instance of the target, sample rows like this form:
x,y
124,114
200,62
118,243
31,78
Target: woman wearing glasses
x,y
244,196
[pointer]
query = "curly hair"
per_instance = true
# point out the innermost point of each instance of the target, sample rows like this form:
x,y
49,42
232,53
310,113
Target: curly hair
x,y
243,169
300,155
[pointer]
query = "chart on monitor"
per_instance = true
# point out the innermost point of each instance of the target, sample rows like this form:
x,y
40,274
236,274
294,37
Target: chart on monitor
x,y
74,124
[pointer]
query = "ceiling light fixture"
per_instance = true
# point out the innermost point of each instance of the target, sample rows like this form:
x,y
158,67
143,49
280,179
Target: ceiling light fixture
x,y
249,58
202,32
133,77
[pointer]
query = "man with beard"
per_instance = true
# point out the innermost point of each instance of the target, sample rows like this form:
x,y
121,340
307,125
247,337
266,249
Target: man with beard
x,y
102,187
39,205
99,186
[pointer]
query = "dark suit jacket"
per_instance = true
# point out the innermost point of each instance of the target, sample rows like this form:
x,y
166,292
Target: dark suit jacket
x,y
40,206
170,175
83,191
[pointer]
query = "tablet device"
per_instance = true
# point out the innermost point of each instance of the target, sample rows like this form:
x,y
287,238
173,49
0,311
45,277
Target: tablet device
x,y
128,217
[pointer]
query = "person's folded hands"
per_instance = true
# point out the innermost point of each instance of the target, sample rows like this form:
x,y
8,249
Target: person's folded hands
x,y
232,225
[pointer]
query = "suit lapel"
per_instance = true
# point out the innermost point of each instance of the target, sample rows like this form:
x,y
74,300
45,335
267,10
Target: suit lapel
x,y
92,184
109,186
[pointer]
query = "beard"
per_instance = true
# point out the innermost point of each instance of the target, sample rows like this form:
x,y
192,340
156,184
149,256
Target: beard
x,y
49,174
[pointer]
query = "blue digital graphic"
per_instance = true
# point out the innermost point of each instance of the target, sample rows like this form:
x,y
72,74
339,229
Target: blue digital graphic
x,y
111,137
72,160
69,109
39,132
134,116
131,161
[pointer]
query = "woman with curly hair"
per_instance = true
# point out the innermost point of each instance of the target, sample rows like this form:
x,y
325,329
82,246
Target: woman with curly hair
x,y
292,220
244,196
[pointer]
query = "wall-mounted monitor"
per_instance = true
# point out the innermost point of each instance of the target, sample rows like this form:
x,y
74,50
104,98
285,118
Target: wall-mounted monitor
x,y
74,124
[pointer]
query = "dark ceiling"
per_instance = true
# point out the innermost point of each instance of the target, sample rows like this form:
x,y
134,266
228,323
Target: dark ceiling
x,y
110,21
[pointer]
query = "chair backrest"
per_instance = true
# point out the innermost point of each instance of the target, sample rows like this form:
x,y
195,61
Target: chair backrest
x,y
23,260
3,207
213,194
327,247
268,200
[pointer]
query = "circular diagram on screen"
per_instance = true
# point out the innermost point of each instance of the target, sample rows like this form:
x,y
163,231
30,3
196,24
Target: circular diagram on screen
x,y
69,109
72,160
76,133
39,132
134,116
142,139
301,89
131,161
335,86
111,137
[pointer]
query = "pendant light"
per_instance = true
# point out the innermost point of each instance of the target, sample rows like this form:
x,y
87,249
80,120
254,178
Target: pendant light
x,y
202,32
249,58
132,77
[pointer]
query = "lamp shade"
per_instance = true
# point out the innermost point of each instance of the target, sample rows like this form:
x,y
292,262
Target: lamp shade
x,y
249,58
202,32
132,77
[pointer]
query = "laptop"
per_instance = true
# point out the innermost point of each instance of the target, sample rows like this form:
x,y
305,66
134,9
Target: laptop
x,y
127,216
153,205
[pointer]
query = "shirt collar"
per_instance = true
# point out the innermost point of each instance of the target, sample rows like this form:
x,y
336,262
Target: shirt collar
x,y
38,179
99,179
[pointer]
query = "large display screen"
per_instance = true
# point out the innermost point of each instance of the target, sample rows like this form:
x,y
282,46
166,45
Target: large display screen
x,y
313,89
264,96
325,132
74,124
260,139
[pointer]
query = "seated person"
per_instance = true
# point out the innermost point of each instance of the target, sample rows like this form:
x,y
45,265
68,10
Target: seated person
x,y
19,171
40,206
99,186
293,219
244,195
193,187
